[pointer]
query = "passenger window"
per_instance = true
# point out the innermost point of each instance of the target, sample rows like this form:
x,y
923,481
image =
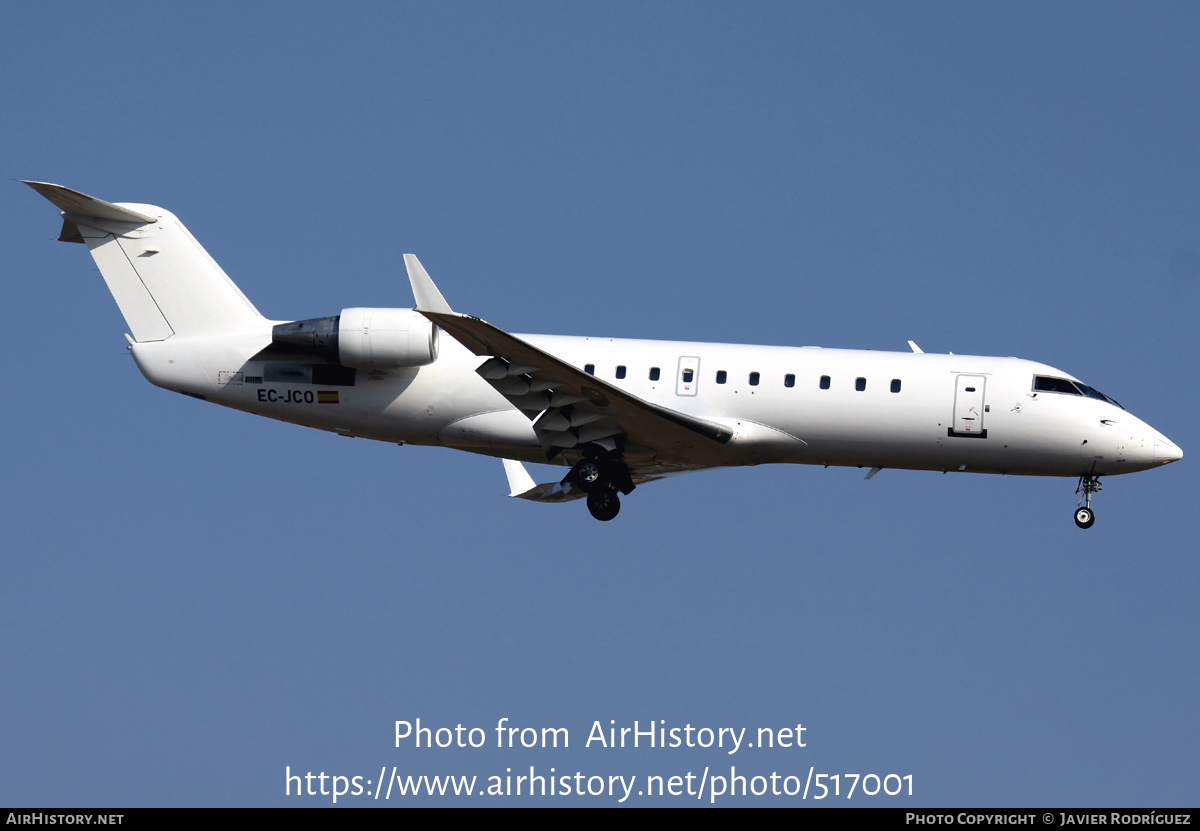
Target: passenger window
x,y
895,385
590,369
860,384
789,380
754,379
653,373
824,382
721,376
620,372
687,376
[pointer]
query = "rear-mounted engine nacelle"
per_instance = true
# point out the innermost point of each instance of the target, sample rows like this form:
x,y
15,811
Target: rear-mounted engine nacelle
x,y
384,338
365,338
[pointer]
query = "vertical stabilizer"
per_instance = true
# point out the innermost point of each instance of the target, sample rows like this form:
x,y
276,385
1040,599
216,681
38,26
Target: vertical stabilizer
x,y
164,282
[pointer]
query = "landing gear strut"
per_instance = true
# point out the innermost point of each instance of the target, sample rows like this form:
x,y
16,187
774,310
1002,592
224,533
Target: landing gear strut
x,y
1089,483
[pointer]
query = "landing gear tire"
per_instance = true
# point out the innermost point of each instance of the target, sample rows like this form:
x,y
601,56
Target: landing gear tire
x,y
604,504
591,476
1089,483
1084,517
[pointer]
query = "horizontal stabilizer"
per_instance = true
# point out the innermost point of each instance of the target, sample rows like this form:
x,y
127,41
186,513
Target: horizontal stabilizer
x,y
74,202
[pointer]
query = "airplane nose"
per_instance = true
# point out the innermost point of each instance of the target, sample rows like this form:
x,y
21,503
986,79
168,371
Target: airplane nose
x,y
1166,451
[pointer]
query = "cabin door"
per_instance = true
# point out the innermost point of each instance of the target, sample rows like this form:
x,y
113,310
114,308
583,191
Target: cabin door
x,y
969,405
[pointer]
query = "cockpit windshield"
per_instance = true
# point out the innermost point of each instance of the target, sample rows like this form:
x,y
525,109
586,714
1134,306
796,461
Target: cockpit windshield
x,y
1092,392
1045,383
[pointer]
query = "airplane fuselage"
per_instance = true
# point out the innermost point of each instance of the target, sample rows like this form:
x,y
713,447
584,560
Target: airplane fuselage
x,y
802,405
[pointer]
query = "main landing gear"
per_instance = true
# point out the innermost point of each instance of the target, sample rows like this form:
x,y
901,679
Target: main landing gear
x,y
604,505
1089,483
601,479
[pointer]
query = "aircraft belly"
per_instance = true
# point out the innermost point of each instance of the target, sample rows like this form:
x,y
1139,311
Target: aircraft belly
x,y
491,431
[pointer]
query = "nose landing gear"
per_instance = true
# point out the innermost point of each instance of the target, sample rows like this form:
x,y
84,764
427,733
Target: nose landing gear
x,y
1084,517
1089,483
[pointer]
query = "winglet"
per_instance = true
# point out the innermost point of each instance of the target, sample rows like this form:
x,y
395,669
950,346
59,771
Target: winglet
x,y
519,480
428,298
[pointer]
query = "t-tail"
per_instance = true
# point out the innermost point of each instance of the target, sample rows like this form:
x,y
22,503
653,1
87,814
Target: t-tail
x,y
164,282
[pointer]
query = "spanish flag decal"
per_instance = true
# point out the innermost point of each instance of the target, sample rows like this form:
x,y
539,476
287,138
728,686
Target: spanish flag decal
x,y
327,397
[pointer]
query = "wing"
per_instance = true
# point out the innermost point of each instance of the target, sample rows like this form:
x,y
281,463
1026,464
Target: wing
x,y
522,486
570,409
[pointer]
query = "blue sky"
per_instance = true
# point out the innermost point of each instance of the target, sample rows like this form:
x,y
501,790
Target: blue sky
x,y
196,599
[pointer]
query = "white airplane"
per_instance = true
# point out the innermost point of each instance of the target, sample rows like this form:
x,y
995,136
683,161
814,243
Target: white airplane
x,y
616,412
